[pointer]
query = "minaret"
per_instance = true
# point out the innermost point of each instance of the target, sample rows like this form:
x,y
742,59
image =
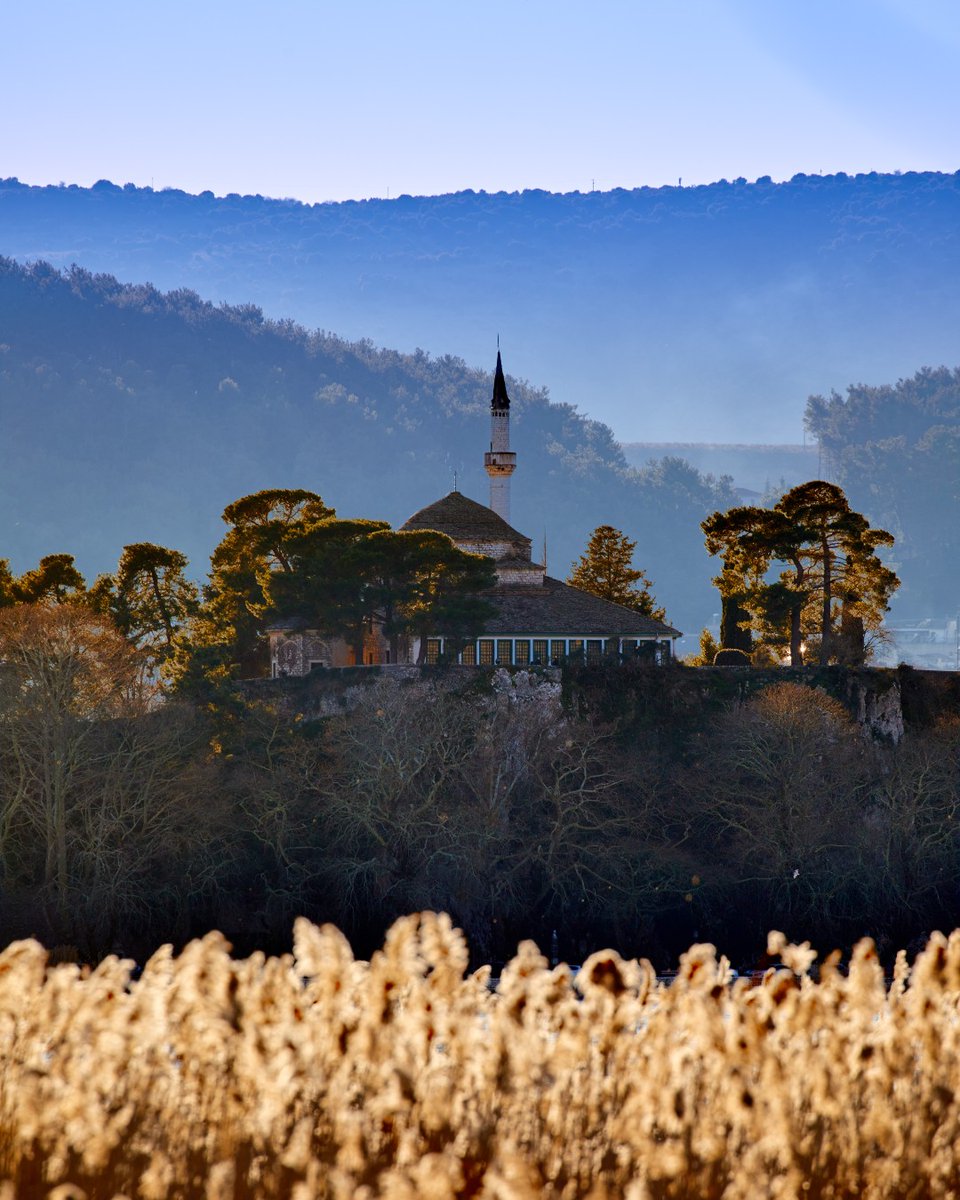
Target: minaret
x,y
500,462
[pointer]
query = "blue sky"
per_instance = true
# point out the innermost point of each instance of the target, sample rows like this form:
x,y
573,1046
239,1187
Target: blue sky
x,y
326,101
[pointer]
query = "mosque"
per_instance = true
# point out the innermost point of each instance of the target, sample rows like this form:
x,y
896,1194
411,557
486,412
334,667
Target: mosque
x,y
539,620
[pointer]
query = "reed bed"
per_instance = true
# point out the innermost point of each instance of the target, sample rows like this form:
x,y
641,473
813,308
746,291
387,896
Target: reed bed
x,y
315,1075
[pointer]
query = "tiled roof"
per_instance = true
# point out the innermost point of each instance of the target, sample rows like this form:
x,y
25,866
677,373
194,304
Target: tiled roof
x,y
553,609
464,520
556,609
291,625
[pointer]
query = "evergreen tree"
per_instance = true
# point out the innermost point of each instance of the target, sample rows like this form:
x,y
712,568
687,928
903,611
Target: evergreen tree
x,y
749,539
446,594
55,578
735,631
149,598
840,552
8,593
828,553
707,652
344,575
225,637
262,526
606,570
329,580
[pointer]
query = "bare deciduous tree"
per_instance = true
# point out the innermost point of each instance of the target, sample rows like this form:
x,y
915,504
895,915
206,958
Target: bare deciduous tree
x,y
95,786
785,786
910,839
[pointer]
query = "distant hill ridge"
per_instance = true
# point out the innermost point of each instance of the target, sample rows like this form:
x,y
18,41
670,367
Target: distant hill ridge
x,y
760,468
712,310
751,447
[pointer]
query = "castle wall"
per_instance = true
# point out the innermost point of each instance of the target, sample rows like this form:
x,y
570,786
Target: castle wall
x,y
297,653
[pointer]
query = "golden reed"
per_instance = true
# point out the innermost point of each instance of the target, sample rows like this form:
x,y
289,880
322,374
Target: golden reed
x,y
314,1075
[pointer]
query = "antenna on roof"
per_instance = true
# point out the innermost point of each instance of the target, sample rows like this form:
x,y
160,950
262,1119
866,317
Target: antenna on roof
x,y
455,488
544,549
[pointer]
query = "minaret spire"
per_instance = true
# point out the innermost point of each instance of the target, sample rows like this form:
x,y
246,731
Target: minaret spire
x,y
499,461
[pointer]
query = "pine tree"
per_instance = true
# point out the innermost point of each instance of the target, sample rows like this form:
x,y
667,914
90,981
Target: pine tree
x,y
149,597
55,580
225,638
829,557
606,570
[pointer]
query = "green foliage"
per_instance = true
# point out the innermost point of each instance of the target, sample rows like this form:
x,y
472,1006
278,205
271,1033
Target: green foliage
x,y
707,653
606,570
731,658
830,565
326,580
343,575
8,594
56,578
840,553
288,556
149,597
233,616
424,584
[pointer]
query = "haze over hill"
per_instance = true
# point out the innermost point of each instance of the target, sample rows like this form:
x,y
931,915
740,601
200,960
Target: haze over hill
x,y
130,415
752,467
706,313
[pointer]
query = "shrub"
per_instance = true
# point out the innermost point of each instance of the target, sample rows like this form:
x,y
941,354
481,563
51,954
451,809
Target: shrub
x,y
731,658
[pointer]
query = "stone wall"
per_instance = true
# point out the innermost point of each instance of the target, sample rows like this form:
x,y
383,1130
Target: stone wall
x,y
326,693
887,703
678,701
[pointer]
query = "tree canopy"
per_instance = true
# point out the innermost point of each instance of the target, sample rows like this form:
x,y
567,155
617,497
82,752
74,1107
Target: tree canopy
x,y
149,597
344,575
830,570
896,449
286,555
605,569
55,578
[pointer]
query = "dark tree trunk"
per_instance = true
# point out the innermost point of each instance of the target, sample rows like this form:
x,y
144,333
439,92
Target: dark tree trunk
x,y
796,638
852,648
825,630
734,635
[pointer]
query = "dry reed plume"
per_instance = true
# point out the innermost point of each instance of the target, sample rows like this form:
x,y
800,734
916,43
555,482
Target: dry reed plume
x,y
315,1075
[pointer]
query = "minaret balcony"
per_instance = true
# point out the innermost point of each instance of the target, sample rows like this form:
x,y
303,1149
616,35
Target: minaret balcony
x,y
500,462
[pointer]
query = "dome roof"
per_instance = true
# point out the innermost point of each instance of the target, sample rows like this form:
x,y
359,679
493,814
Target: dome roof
x,y
464,520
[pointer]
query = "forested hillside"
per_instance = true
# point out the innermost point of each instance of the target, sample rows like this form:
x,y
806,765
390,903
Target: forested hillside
x,y
698,313
131,416
896,450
